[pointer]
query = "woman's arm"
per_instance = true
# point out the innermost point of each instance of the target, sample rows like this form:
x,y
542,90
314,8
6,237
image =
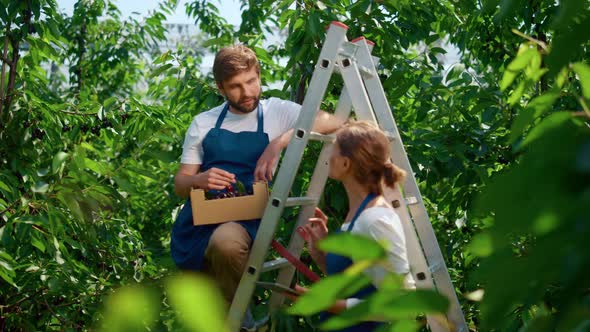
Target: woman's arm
x,y
312,232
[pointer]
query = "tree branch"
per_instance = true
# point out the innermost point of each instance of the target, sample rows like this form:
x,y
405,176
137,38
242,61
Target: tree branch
x,y
536,41
12,74
78,113
27,15
584,107
3,73
4,62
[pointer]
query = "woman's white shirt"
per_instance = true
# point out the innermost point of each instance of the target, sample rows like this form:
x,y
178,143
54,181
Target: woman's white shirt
x,y
383,224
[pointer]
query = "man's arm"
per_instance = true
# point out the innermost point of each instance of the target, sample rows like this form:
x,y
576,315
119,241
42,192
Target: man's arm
x,y
324,123
188,177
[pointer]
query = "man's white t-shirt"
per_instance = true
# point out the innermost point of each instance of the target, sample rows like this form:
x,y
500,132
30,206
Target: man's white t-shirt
x,y
279,116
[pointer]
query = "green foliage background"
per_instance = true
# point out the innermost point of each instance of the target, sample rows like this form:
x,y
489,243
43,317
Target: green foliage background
x,y
499,142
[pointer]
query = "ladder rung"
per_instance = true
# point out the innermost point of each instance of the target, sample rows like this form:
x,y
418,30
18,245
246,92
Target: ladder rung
x,y
411,200
321,137
274,264
300,201
331,138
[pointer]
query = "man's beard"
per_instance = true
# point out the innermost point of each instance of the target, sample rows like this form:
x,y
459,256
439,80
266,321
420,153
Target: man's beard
x,y
243,109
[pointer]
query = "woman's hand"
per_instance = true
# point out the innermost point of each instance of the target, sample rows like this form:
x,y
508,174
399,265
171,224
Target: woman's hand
x,y
299,289
312,232
315,229
338,307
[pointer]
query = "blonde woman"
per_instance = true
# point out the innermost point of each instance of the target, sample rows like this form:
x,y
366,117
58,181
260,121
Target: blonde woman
x,y
361,161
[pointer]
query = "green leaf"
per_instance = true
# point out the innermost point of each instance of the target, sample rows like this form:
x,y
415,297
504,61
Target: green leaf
x,y
38,244
240,187
413,302
569,42
583,71
518,64
6,270
109,102
41,187
481,245
507,79
58,161
553,121
314,24
96,166
354,246
158,71
100,113
325,292
534,109
4,188
562,77
197,302
410,325
402,304
131,308
517,94
436,50
70,200
208,43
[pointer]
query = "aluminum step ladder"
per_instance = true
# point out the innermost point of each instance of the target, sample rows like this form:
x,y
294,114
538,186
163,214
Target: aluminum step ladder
x,y
363,93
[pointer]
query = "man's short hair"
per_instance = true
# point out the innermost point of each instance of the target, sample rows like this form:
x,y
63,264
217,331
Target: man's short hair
x,y
232,60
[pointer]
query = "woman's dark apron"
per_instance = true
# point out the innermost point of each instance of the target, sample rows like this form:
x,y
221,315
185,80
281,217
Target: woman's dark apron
x,y
336,264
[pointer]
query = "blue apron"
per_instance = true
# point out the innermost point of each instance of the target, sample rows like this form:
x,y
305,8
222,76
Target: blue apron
x,y
236,153
337,264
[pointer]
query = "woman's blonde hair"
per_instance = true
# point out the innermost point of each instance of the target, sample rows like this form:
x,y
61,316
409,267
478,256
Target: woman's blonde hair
x,y
367,147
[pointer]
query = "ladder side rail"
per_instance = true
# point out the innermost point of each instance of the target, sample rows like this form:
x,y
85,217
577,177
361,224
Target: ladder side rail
x,y
356,89
417,261
418,211
336,35
316,189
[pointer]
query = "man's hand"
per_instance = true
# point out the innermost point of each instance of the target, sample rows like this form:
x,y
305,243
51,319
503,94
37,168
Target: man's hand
x,y
215,178
270,157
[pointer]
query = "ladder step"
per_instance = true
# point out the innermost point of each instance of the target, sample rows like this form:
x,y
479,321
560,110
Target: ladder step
x,y
411,200
301,201
274,264
331,138
321,137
